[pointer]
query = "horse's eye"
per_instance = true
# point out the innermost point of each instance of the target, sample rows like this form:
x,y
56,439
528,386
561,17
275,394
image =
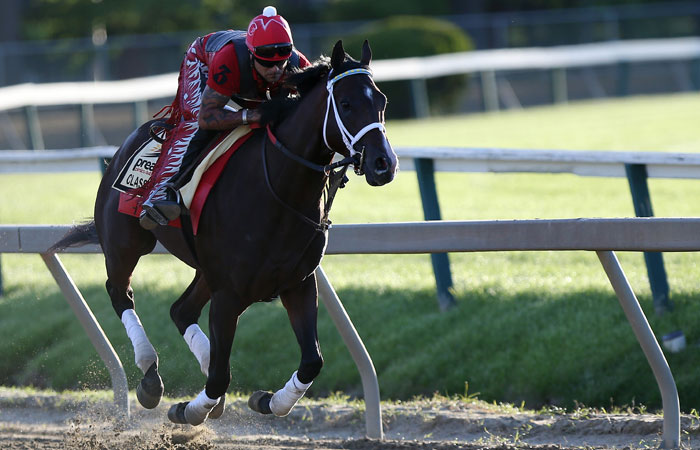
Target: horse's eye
x,y
345,104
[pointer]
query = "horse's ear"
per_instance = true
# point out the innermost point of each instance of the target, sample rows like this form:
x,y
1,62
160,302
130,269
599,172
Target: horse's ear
x,y
366,54
338,55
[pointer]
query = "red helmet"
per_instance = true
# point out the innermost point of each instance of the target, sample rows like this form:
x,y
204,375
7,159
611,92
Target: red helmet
x,y
269,36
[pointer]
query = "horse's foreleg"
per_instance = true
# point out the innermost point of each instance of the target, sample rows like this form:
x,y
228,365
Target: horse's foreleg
x,y
302,308
223,317
185,314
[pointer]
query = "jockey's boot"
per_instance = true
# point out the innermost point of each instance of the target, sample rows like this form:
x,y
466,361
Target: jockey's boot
x,y
160,212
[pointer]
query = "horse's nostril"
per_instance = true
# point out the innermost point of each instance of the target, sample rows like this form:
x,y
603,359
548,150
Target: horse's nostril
x,y
381,166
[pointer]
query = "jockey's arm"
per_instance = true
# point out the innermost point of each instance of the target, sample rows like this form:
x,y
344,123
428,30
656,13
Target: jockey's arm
x,y
214,116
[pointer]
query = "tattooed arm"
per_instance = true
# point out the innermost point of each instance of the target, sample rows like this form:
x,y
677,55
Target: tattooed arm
x,y
213,115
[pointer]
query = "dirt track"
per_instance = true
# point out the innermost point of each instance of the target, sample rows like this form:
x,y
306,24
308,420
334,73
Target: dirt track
x,y
51,421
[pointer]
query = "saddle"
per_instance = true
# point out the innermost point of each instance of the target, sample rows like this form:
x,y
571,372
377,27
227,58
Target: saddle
x,y
137,172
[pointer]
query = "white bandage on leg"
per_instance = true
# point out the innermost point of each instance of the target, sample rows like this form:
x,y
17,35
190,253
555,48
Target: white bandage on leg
x,y
198,343
284,400
144,353
197,410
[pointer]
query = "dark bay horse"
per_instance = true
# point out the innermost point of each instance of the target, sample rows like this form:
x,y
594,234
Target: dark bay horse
x,y
261,234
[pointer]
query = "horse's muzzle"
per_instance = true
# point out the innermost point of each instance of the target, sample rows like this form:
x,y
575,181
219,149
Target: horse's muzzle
x,y
380,170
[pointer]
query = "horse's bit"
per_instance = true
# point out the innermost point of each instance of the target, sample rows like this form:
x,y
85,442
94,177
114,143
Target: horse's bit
x,y
348,139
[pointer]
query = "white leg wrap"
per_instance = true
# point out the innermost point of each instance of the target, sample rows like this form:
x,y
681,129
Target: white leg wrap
x,y
144,353
199,346
284,400
197,410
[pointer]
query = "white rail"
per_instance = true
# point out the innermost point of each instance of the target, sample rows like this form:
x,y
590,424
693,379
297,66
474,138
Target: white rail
x,y
68,160
604,236
447,159
540,58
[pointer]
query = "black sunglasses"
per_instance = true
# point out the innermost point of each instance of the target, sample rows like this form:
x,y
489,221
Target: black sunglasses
x,y
269,64
272,50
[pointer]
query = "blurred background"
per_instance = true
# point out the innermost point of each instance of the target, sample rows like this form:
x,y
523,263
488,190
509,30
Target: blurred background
x,y
83,40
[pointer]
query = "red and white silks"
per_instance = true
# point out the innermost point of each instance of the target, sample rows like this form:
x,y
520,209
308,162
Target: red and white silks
x,y
194,72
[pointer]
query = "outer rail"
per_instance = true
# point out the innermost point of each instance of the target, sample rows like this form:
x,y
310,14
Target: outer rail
x,y
603,236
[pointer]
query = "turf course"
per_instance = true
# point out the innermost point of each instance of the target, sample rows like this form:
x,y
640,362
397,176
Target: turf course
x,y
539,327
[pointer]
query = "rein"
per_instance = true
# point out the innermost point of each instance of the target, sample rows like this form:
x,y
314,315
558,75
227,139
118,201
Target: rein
x,y
333,179
326,170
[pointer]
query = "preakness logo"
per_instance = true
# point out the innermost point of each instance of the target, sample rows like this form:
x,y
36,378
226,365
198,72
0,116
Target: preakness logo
x,y
138,169
261,20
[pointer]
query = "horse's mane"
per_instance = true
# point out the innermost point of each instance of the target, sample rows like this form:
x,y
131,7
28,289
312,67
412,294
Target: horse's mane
x,y
301,81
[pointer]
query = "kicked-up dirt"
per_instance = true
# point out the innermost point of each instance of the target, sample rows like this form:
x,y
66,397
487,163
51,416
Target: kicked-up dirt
x,y
49,421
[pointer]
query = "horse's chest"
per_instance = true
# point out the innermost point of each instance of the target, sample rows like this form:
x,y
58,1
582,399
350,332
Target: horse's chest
x,y
294,263
261,269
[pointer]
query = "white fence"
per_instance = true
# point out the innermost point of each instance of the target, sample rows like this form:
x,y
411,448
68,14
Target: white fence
x,y
446,159
636,166
486,63
604,236
482,61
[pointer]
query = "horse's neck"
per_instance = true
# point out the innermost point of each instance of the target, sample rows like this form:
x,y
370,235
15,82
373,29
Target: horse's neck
x,y
301,133
302,130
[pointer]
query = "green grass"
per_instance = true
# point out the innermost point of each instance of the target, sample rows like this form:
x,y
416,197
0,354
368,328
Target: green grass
x,y
655,123
543,327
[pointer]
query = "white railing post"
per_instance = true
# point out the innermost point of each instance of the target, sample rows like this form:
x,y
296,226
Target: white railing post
x,y
489,90
650,347
140,113
36,137
560,88
93,329
370,384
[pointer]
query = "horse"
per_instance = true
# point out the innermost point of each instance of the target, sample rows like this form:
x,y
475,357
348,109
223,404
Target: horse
x,y
262,231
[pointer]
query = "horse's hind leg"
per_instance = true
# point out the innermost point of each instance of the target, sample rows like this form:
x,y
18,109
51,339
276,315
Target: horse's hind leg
x,y
185,314
120,262
302,308
223,318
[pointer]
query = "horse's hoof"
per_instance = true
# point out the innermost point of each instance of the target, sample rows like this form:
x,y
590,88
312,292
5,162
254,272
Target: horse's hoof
x,y
150,389
218,409
176,413
260,402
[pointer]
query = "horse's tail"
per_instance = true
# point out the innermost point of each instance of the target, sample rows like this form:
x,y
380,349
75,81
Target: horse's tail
x,y
79,235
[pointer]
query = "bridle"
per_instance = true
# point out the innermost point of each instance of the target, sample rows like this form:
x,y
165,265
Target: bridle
x,y
348,139
334,179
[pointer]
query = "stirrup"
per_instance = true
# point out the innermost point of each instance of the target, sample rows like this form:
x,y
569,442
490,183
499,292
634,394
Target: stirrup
x,y
162,212
169,207
146,221
165,211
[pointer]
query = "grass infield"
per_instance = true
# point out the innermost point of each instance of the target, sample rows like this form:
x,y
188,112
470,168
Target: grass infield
x,y
539,327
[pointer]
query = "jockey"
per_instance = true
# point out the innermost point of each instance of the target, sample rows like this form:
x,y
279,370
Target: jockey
x,y
226,65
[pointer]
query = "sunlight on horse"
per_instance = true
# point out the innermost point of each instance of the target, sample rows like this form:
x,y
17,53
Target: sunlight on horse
x,y
261,233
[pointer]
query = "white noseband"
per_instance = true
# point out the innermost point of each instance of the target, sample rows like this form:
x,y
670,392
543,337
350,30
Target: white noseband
x,y
348,138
